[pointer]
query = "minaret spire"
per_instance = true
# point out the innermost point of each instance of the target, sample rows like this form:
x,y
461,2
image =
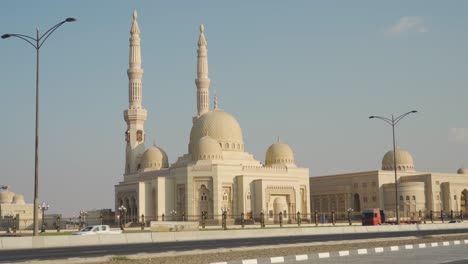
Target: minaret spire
x,y
135,72
135,115
202,81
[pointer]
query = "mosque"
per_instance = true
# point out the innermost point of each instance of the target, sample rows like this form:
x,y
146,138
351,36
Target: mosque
x,y
216,174
12,205
417,191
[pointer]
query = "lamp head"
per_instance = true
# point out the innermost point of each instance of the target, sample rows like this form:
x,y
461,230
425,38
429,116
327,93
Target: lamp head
x,y
370,117
70,19
414,111
6,36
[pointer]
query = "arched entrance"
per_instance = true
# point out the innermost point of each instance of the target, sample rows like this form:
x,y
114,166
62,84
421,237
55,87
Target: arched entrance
x,y
464,201
357,203
280,205
203,202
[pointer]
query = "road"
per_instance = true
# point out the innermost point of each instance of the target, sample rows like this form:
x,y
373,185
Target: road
x,y
9,256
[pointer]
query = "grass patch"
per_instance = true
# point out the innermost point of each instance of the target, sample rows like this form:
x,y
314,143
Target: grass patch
x,y
119,258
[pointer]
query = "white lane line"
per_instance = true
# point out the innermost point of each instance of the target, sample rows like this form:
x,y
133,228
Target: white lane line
x,y
445,243
456,242
277,260
394,248
219,263
362,251
435,244
465,241
343,253
324,255
249,261
379,250
301,257
422,245
408,246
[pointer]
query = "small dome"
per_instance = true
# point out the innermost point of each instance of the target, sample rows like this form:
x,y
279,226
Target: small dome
x,y
279,154
154,158
6,197
220,126
207,149
404,161
462,171
18,199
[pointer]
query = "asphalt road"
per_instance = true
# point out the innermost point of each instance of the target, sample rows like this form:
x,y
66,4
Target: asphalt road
x,y
453,254
9,256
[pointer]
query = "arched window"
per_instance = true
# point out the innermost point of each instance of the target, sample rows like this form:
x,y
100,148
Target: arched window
x,y
226,145
407,198
414,198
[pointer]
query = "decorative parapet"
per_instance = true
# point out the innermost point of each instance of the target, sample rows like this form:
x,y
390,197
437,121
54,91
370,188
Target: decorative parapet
x,y
263,168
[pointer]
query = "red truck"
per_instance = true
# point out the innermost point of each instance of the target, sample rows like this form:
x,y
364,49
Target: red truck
x,y
373,216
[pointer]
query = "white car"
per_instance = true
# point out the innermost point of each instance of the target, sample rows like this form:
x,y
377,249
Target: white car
x,y
97,230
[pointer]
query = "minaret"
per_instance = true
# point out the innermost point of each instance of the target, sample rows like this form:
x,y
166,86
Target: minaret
x,y
202,81
135,115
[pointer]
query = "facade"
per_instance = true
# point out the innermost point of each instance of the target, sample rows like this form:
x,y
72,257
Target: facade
x,y
216,174
13,205
417,191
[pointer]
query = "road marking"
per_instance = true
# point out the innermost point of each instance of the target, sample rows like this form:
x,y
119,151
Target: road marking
x,y
344,253
394,248
249,261
277,260
219,263
301,257
445,243
435,244
324,255
379,250
465,241
408,246
422,245
456,242
362,251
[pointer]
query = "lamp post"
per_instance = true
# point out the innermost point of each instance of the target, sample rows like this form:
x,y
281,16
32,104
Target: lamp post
x,y
83,215
122,210
43,207
393,122
173,213
37,43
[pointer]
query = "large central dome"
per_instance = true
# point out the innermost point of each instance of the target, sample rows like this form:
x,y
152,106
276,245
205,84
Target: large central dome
x,y
220,126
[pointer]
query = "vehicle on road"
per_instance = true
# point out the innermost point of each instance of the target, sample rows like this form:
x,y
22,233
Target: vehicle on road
x,y
97,230
373,216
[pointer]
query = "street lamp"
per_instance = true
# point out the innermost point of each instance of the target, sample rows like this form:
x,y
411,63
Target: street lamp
x,y
83,215
37,43
43,207
393,123
122,210
173,213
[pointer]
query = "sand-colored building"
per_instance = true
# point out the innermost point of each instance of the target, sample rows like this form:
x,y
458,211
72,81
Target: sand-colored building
x,y
216,173
12,205
423,191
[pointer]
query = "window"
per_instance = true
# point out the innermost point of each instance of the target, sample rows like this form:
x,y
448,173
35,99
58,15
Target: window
x,y
270,213
374,198
356,186
407,198
365,199
364,185
414,198
401,197
454,197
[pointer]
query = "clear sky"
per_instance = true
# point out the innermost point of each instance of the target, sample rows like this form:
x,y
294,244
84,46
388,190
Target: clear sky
x,y
310,72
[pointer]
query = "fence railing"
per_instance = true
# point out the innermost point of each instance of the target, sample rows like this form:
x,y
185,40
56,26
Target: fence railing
x,y
224,220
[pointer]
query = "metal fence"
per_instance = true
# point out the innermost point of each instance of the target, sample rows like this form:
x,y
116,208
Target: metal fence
x,y
225,219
